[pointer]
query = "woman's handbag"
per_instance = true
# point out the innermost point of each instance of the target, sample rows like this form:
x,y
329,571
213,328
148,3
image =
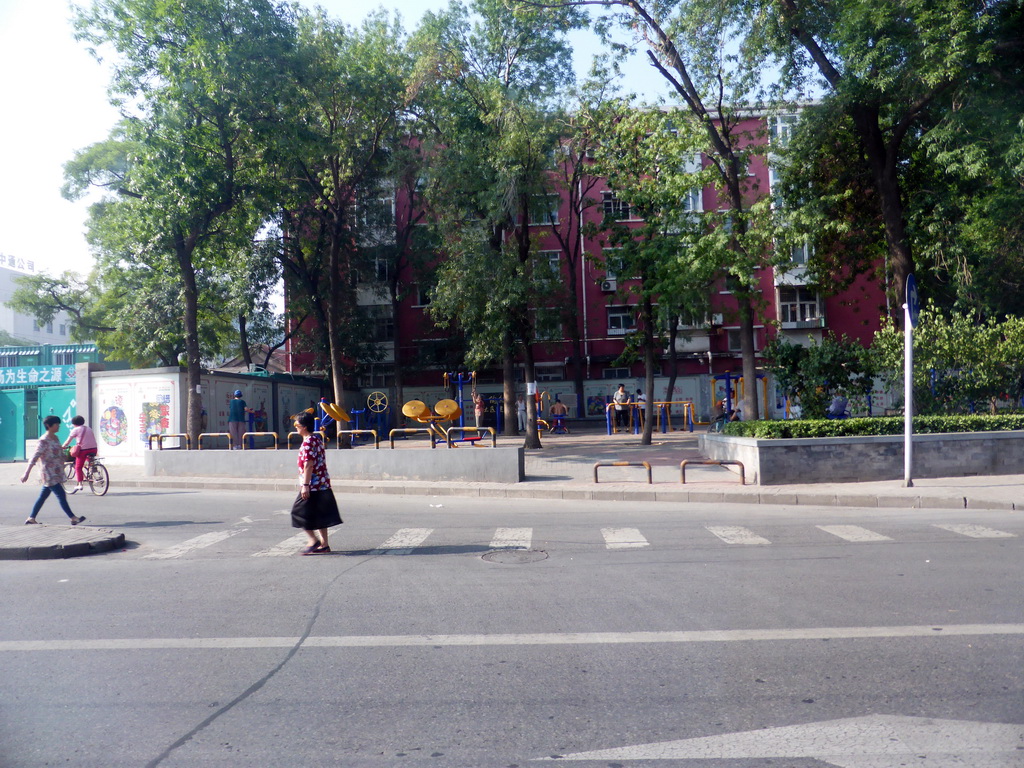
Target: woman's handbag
x,y
74,450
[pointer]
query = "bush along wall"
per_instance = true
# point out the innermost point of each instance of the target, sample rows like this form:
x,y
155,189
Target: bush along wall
x,y
887,425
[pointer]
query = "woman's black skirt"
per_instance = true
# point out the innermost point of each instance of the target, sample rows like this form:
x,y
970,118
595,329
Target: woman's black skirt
x,y
319,511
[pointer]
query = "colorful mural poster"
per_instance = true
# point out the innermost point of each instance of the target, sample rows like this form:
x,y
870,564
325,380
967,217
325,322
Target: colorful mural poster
x,y
111,426
154,400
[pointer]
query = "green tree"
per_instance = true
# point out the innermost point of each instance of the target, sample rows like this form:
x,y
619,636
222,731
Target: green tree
x,y
198,84
493,82
692,45
652,161
344,113
893,72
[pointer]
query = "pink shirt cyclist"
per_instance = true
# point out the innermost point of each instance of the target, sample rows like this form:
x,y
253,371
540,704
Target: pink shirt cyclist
x,y
85,439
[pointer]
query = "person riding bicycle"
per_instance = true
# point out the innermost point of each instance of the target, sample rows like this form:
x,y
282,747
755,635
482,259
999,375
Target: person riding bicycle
x,y
85,447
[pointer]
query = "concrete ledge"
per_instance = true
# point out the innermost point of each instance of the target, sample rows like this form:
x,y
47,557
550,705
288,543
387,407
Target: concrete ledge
x,y
489,465
46,542
873,457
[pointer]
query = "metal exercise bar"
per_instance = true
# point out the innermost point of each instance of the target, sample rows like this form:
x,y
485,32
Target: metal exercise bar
x,y
258,434
493,432
160,439
376,437
412,431
713,462
214,434
644,464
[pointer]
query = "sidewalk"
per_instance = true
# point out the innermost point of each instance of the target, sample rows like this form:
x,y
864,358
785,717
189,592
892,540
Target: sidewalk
x,y
564,469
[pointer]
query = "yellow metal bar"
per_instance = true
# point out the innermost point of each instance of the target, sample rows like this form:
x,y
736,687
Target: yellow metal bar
x,y
258,434
646,465
214,434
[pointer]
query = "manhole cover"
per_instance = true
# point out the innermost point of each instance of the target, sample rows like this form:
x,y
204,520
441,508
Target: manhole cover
x,y
515,556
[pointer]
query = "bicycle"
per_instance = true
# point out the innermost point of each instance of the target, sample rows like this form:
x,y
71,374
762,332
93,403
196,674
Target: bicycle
x,y
93,473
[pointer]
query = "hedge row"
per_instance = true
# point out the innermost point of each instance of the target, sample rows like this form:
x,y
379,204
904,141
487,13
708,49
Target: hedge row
x,y
887,425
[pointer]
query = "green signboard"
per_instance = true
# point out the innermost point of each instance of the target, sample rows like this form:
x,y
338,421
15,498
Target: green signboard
x,y
37,375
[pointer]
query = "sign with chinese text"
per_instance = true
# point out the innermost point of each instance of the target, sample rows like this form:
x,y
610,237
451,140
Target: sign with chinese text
x,y
37,375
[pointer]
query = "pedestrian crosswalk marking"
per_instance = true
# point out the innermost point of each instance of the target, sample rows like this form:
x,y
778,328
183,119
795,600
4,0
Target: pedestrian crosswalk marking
x,y
976,531
853,533
624,538
737,534
512,538
199,542
288,547
403,542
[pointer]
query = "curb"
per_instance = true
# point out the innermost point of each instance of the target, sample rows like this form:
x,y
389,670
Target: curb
x,y
43,542
602,492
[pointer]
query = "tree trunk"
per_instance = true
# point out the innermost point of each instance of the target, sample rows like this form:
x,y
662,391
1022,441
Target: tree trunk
x,y
190,292
750,409
673,362
337,282
882,161
532,433
508,389
649,362
243,339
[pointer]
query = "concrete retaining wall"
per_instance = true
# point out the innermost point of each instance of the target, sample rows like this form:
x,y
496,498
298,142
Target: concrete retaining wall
x,y
481,465
857,459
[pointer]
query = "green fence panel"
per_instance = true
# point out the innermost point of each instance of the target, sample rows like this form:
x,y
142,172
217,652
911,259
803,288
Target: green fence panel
x,y
57,401
12,424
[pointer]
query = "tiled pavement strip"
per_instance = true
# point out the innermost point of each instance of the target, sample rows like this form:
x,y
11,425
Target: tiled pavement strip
x,y
563,469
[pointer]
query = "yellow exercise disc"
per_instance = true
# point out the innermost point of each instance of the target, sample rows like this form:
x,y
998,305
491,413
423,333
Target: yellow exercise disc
x,y
416,409
449,409
336,412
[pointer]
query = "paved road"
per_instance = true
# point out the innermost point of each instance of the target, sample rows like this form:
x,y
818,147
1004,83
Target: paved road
x,y
704,636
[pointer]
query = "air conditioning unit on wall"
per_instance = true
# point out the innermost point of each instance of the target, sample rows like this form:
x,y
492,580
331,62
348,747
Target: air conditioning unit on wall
x,y
608,285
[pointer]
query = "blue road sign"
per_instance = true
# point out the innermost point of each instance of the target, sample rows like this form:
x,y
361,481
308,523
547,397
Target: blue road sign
x,y
913,302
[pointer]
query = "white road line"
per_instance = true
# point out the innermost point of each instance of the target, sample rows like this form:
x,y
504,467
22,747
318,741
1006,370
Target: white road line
x,y
512,538
736,534
286,548
853,533
403,542
976,531
547,638
199,542
624,538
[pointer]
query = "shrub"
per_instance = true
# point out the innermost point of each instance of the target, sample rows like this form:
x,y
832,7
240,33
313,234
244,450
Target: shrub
x,y
884,425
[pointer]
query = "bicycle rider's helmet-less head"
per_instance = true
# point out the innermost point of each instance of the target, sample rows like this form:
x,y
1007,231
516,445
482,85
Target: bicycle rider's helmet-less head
x,y
78,421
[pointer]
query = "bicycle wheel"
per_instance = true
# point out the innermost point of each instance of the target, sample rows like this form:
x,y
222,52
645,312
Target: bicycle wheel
x,y
99,479
69,470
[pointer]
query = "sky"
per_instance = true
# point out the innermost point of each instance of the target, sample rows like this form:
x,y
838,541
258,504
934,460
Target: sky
x,y
55,102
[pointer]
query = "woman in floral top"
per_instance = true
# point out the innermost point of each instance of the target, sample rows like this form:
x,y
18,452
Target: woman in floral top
x,y
51,475
315,510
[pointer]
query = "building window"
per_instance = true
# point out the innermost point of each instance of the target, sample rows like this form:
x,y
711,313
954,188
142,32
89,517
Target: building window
x,y
63,358
798,304
549,264
9,361
614,208
800,254
378,376
547,324
781,129
615,373
621,321
382,323
549,371
422,296
49,327
35,325
543,210
63,329
432,353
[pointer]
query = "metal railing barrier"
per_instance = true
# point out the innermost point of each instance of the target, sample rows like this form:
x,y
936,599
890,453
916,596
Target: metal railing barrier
x,y
413,431
214,434
376,437
258,434
160,440
712,462
493,432
644,464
